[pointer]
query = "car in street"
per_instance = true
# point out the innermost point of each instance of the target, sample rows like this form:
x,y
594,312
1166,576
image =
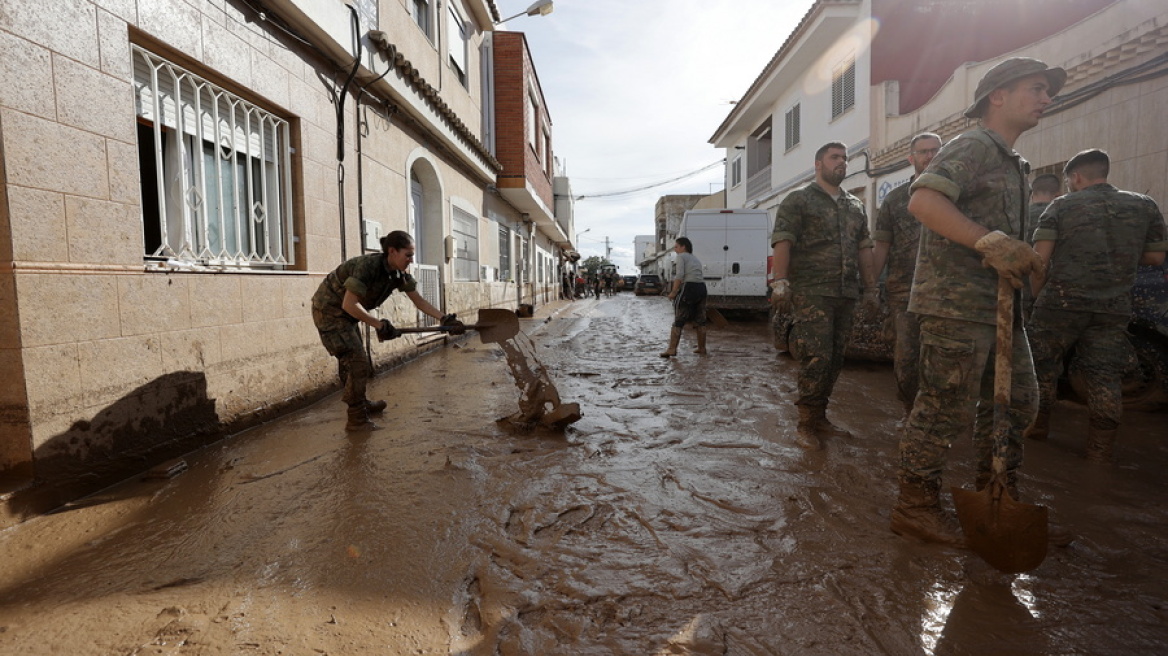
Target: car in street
x,y
1145,379
648,283
628,283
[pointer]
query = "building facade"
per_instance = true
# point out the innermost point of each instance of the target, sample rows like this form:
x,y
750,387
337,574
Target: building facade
x,y
178,177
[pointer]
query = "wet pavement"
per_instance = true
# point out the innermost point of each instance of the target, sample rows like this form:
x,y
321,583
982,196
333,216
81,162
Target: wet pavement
x,y
676,517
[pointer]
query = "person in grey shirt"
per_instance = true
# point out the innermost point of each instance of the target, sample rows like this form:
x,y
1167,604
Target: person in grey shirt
x,y
689,297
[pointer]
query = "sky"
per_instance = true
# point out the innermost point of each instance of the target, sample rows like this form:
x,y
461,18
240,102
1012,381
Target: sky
x,y
636,89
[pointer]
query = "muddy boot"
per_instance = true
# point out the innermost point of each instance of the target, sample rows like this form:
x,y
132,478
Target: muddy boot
x,y
825,427
359,420
375,407
805,434
918,514
701,349
674,338
1100,444
1040,428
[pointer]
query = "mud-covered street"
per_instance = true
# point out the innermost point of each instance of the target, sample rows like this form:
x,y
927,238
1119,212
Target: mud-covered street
x,y
676,517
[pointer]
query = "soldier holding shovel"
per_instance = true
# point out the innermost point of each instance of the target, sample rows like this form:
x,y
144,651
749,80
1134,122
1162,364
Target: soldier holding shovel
x,y
346,297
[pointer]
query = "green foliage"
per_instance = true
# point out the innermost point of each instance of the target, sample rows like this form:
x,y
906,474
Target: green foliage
x,y
594,263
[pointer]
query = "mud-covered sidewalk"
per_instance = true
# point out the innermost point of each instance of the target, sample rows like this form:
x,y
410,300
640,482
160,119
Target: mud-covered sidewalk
x,y
676,517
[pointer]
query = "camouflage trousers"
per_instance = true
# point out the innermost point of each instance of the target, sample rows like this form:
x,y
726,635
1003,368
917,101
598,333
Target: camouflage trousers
x,y
906,355
1102,350
957,389
820,330
343,342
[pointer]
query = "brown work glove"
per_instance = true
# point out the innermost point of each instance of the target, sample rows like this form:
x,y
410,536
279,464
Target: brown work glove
x,y
386,331
1010,257
781,295
451,322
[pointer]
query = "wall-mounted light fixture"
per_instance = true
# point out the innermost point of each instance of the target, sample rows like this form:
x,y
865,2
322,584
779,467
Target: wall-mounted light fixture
x,y
539,7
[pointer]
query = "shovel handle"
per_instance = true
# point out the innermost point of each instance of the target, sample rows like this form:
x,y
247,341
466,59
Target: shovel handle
x,y
1003,371
441,329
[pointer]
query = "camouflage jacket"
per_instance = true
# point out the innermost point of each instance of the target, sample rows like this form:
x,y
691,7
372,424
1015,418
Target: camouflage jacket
x,y
367,276
986,180
1099,234
1033,212
826,237
903,233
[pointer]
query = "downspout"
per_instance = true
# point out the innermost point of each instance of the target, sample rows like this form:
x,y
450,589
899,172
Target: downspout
x,y
339,99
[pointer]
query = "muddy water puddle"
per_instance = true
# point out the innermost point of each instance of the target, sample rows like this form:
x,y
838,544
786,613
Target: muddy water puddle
x,y
676,516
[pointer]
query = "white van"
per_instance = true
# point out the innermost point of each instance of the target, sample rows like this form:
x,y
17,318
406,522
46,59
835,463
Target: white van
x,y
734,248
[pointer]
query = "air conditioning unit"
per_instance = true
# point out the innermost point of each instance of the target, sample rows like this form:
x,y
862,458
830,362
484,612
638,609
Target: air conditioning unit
x,y
372,235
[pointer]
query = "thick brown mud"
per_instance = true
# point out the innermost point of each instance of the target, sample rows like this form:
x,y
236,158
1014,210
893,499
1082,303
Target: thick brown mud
x,y
677,516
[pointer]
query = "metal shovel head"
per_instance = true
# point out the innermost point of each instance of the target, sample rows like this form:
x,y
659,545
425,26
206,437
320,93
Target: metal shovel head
x,y
1009,535
496,326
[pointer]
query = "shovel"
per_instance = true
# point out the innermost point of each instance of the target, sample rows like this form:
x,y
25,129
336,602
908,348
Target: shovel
x,y
494,326
1009,535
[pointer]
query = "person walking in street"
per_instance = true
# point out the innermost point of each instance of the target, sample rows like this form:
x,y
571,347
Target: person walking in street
x,y
897,235
1092,241
688,294
971,201
346,297
821,248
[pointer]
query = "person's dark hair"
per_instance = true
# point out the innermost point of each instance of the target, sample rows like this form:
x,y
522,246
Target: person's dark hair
x,y
1093,164
1047,183
924,135
685,243
398,239
828,146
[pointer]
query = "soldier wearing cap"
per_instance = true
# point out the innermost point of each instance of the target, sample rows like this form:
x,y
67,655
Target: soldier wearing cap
x,y
972,202
1093,238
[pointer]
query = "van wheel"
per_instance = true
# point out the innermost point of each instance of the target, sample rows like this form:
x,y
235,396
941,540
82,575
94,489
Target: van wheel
x,y
1145,385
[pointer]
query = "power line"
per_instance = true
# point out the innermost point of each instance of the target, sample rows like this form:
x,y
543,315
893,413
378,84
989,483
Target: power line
x,y
625,192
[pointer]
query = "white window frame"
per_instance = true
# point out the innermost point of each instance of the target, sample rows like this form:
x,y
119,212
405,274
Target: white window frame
x,y
458,43
533,124
464,227
423,13
736,171
221,168
843,87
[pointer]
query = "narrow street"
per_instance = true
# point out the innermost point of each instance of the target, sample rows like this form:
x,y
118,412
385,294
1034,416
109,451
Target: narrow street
x,y
676,517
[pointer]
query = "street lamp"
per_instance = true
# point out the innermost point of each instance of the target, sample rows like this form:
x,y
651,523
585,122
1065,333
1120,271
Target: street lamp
x,y
577,242
540,7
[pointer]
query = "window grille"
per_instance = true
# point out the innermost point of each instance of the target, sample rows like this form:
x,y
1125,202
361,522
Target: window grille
x,y
504,254
429,282
843,87
792,127
465,227
216,171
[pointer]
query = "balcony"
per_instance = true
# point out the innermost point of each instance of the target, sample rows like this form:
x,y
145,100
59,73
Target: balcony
x,y
758,183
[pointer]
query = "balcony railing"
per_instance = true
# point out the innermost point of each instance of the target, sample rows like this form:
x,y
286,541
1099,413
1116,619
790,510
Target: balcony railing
x,y
759,183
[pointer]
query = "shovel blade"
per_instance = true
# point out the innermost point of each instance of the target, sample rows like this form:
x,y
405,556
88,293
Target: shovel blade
x,y
496,326
1010,536
716,319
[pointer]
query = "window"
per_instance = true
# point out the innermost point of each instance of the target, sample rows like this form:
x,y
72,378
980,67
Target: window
x,y
843,87
758,149
422,13
504,254
792,127
736,171
456,41
216,175
533,122
465,227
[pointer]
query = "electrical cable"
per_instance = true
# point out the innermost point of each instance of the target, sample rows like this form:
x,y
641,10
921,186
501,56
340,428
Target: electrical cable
x,y
634,190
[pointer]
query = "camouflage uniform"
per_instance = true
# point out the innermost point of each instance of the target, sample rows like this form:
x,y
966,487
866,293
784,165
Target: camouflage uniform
x,y
826,235
1034,211
371,279
902,232
1100,233
956,298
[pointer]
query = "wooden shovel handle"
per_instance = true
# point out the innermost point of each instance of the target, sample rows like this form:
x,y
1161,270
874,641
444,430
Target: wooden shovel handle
x,y
1004,351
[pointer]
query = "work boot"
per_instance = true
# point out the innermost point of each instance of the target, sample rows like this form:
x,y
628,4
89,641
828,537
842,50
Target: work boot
x,y
359,420
674,339
701,349
805,434
1040,428
822,425
918,514
1100,444
375,407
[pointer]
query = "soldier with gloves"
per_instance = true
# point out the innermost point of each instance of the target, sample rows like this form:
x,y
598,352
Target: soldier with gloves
x,y
346,297
972,202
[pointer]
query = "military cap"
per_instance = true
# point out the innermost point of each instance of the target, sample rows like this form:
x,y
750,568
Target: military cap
x,y
1008,71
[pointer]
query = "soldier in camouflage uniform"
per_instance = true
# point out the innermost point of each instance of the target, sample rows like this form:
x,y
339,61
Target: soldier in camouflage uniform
x,y
821,245
897,236
1094,238
345,298
971,201
1043,189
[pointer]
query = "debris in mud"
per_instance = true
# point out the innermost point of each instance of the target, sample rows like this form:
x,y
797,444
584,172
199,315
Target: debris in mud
x,y
539,400
166,470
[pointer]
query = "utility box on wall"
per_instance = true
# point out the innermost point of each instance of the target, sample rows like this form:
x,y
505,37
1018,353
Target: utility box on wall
x,y
372,235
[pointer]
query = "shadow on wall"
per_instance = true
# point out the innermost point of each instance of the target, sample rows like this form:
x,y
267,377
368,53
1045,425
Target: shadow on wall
x,y
167,417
